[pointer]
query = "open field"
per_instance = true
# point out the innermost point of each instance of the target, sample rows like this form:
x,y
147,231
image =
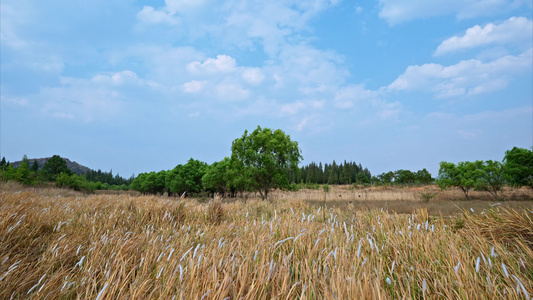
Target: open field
x,y
59,244
404,200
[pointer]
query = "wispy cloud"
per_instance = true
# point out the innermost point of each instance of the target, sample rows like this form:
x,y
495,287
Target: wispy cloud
x,y
516,30
468,77
399,11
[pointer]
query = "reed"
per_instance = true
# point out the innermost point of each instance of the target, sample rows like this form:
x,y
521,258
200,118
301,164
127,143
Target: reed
x,y
123,246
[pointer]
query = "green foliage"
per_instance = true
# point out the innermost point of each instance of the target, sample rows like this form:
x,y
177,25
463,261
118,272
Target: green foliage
x,y
266,157
107,177
75,182
491,176
186,178
518,164
326,188
386,178
223,177
3,164
148,183
24,175
464,175
35,166
403,177
53,167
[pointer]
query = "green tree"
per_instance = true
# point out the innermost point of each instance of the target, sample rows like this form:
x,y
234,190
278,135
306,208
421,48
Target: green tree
x,y
266,156
186,178
215,179
35,166
491,176
23,174
404,177
464,175
518,164
386,178
423,177
53,167
3,163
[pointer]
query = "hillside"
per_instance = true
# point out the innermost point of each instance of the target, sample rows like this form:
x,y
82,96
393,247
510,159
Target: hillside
x,y
72,165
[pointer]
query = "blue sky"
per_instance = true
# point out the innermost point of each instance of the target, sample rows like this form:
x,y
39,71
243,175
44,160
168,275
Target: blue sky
x,y
137,86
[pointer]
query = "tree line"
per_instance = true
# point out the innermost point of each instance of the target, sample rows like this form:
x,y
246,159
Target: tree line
x,y
267,159
56,170
515,170
260,161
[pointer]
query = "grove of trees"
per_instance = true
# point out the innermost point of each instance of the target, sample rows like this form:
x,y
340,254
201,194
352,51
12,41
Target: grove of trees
x,y
267,159
515,170
260,161
56,170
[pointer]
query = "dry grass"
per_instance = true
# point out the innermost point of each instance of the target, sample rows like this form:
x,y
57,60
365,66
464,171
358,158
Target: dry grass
x,y
395,193
57,245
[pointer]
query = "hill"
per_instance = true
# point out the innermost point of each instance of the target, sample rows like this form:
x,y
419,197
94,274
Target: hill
x,y
72,165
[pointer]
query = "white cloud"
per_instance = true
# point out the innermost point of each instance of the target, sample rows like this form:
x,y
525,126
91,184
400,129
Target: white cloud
x,y
183,6
515,30
150,15
16,101
220,64
302,124
350,96
194,86
310,71
399,11
290,109
467,77
253,76
368,102
81,103
270,23
168,14
118,78
231,92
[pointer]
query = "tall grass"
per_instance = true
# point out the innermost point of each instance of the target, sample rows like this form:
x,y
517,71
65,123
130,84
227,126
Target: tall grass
x,y
141,247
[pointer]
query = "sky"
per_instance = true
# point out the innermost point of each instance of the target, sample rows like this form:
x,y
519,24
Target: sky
x,y
139,86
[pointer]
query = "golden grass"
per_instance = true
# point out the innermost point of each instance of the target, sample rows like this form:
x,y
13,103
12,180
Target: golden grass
x,y
75,246
395,193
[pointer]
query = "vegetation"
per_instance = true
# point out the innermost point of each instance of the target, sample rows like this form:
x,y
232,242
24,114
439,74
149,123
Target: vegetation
x,y
479,175
56,170
345,173
125,247
404,177
518,164
266,157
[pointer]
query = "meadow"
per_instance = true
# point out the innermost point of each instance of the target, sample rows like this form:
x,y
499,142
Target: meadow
x,y
60,244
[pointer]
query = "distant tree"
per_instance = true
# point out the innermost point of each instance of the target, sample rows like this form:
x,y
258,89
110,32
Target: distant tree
x,y
518,164
3,163
404,177
386,178
491,176
186,178
266,157
53,167
464,175
363,178
215,179
423,177
146,183
25,160
35,166
23,174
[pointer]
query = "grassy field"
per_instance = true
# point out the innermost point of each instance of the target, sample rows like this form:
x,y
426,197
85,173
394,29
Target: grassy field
x,y
59,244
